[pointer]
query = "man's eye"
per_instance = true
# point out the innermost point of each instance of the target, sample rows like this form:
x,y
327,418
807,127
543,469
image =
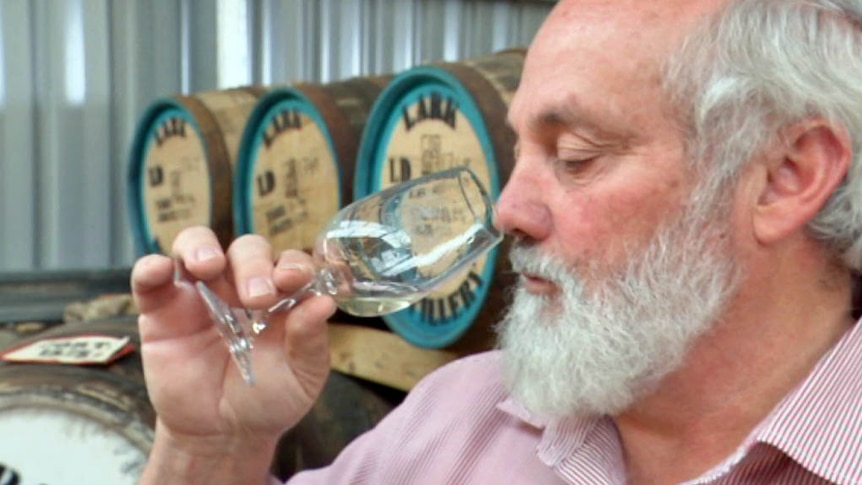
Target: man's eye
x,y
574,165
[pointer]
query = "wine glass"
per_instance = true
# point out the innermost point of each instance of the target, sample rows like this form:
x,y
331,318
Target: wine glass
x,y
381,254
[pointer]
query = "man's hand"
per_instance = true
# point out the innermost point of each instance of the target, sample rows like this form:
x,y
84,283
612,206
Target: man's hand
x,y
204,407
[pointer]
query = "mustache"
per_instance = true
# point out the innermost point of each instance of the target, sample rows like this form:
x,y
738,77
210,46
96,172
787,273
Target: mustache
x,y
528,258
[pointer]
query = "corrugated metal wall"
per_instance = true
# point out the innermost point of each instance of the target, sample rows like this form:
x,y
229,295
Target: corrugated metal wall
x,y
75,75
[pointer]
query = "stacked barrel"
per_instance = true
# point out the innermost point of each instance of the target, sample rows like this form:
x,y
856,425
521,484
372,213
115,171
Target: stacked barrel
x,y
281,161
297,157
433,118
181,165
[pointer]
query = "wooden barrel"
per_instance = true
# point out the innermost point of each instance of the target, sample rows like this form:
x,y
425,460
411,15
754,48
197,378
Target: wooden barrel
x,y
296,159
431,118
94,423
181,165
72,424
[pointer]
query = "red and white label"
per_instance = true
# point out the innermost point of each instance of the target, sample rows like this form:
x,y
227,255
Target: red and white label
x,y
77,350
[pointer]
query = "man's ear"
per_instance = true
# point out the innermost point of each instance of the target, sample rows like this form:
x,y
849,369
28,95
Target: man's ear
x,y
815,156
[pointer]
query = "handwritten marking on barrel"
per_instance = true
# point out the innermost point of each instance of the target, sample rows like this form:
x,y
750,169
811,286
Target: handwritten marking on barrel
x,y
155,175
171,127
292,209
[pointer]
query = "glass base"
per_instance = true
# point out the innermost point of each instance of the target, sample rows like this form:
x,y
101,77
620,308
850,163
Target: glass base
x,y
237,335
236,326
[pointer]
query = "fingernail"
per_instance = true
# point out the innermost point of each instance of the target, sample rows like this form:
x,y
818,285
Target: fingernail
x,y
259,286
206,253
295,267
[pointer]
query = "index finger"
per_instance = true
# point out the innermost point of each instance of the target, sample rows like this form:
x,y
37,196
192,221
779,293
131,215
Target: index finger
x,y
200,253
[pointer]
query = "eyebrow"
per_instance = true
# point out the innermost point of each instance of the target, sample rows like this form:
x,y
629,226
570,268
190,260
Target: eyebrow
x,y
554,116
567,119
566,112
558,116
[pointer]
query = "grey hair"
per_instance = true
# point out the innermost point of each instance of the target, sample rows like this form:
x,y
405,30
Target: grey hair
x,y
765,64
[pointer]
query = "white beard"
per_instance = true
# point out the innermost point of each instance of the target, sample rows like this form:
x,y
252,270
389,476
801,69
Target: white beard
x,y
594,351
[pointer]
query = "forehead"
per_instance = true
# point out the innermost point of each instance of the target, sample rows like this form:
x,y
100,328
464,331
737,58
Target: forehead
x,y
637,20
604,56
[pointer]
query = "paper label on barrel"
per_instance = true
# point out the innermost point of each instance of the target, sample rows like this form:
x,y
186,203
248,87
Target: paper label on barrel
x,y
296,180
175,179
431,135
78,350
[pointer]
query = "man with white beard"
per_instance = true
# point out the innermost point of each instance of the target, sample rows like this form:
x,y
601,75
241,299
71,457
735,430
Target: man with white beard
x,y
620,338
686,210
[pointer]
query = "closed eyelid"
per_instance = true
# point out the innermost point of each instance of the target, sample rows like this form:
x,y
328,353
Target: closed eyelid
x,y
579,153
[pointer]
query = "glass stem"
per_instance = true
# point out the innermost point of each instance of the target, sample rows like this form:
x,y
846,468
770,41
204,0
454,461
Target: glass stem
x,y
288,302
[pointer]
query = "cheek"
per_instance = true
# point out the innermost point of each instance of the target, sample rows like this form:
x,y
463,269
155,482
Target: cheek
x,y
584,227
606,228
641,211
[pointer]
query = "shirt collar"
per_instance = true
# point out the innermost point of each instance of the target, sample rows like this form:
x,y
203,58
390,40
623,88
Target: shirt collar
x,y
581,449
818,424
561,438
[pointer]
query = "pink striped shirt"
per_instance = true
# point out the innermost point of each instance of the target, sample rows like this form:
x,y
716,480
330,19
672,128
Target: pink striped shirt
x,y
458,426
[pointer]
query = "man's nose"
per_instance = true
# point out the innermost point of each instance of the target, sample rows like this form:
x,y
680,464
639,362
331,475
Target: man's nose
x,y
521,209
